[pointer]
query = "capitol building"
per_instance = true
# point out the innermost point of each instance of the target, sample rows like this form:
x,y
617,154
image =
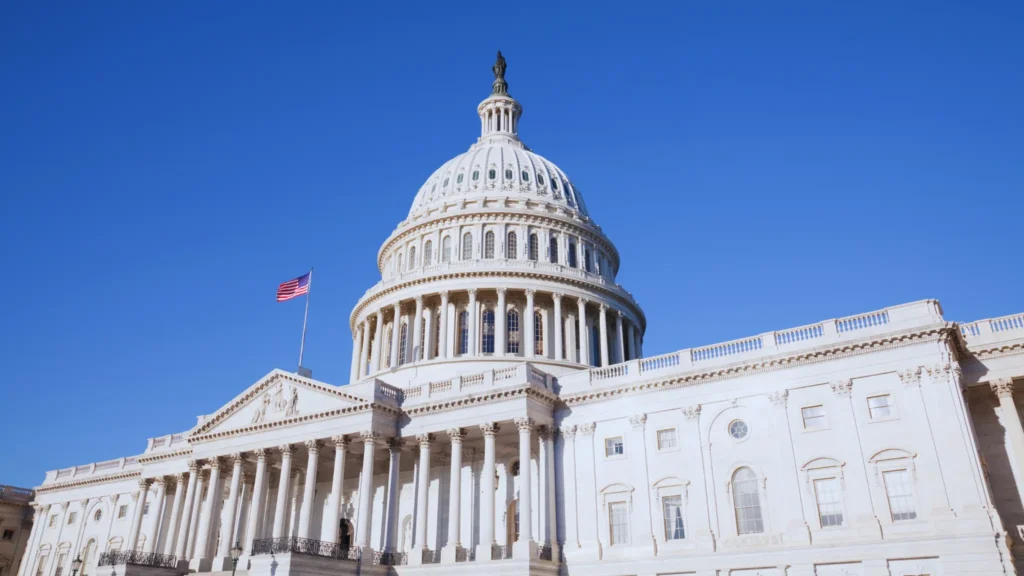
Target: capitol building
x,y
500,417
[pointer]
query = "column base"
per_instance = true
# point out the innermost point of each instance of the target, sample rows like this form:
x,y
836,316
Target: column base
x,y
416,556
450,554
483,552
222,564
524,550
200,565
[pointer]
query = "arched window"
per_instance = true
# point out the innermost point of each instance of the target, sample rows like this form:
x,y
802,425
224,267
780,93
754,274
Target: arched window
x,y
403,343
428,253
572,254
387,338
44,555
399,269
538,334
534,248
746,497
512,519
487,339
141,545
412,258
586,260
464,332
88,554
114,544
467,246
511,246
446,249
437,334
489,245
406,534
513,332
553,250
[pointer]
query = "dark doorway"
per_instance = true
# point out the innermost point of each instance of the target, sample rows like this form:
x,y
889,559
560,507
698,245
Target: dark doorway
x,y
345,534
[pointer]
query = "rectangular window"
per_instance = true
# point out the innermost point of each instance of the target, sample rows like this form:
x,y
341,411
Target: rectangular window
x,y
145,509
71,517
830,511
614,447
901,497
53,520
814,417
122,511
667,439
41,568
618,522
60,563
672,510
880,407
8,534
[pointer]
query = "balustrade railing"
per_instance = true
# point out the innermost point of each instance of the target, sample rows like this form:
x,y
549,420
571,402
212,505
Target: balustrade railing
x,y
500,552
390,558
544,553
134,558
304,546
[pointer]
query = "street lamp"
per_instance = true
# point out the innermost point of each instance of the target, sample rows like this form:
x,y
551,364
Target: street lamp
x,y
236,551
76,565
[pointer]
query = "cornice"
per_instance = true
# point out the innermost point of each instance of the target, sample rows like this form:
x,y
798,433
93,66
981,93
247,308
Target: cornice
x,y
771,364
525,391
262,427
88,482
612,295
998,350
183,452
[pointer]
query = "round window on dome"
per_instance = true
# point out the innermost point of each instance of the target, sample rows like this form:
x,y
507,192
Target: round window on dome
x,y
445,185
526,176
554,184
738,429
540,179
508,174
459,179
99,514
492,174
476,174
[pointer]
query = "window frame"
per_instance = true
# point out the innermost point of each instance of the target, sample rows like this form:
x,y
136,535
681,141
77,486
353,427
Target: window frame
x,y
622,505
893,411
910,496
758,482
489,245
838,503
675,438
511,245
622,443
825,423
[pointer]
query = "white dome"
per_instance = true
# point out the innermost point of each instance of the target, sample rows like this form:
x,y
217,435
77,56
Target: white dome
x,y
497,166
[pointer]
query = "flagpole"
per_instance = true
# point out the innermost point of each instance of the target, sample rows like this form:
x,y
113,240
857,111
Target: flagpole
x,y
305,316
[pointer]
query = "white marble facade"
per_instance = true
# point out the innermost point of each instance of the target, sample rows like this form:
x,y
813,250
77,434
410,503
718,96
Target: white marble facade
x,y
498,363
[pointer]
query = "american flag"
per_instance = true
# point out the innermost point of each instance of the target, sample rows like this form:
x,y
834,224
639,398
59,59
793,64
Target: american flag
x,y
293,288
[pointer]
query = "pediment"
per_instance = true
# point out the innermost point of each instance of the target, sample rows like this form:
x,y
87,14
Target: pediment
x,y
278,397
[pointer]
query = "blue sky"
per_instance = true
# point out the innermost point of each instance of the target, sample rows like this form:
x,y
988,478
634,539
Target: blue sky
x,y
163,166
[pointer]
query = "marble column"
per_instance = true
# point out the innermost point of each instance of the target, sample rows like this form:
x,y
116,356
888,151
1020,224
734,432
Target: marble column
x,y
557,323
281,506
549,520
500,324
620,345
450,551
365,490
525,547
364,350
442,340
603,333
140,507
394,488
201,561
396,328
420,537
417,332
1009,417
528,325
196,514
631,342
483,549
353,372
429,332
567,462
256,509
227,523
378,336
334,501
175,512
586,493
474,321
582,338
295,503
161,491
312,459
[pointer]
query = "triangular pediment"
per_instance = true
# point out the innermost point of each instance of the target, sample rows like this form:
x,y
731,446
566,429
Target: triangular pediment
x,y
277,397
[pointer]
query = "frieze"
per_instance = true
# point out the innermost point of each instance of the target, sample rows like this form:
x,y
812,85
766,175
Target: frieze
x,y
88,482
369,407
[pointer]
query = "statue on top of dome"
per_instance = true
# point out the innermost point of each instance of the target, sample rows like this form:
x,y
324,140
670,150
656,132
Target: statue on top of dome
x,y
499,86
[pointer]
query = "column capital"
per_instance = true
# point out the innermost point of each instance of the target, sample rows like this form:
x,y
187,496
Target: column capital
x,y
691,412
778,398
638,420
214,463
144,484
530,292
418,299
193,466
911,376
395,444
312,446
556,296
369,436
501,291
261,454
568,431
237,458
489,428
842,388
286,449
1003,387
424,440
603,307
524,424
587,429
397,307
582,302
179,478
160,481
340,442
380,315
471,292
620,314
456,434
444,295
545,433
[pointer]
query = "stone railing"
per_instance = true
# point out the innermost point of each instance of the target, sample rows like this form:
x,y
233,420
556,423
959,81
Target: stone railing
x,y
304,546
519,374
15,494
133,558
97,468
390,558
991,330
825,333
500,552
169,442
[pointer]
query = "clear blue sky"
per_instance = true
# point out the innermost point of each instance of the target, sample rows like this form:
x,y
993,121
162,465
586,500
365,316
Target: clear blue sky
x,y
163,166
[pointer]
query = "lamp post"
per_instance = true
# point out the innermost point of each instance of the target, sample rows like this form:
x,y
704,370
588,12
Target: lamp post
x,y
236,552
76,565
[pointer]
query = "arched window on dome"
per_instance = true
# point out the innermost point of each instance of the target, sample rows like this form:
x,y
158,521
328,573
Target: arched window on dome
x,y
553,250
508,174
492,174
464,332
538,334
513,332
511,246
412,258
534,248
446,249
428,253
572,254
526,176
586,260
403,343
467,246
540,179
436,345
746,498
487,334
399,269
489,244
570,198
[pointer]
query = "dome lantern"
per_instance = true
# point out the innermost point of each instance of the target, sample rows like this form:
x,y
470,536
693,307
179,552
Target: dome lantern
x,y
499,113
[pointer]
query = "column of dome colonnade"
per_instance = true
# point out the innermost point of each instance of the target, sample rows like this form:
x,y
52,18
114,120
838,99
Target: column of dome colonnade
x,y
466,323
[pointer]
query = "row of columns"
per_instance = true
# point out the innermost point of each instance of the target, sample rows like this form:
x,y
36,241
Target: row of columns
x,y
366,354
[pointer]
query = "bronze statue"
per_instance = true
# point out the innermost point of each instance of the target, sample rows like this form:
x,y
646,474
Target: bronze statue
x,y
499,67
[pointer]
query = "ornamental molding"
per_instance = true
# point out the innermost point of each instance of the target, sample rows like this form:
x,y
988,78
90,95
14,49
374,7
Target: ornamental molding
x,y
778,398
182,453
348,410
587,429
567,432
638,421
89,482
842,388
691,412
1002,387
1000,351
911,377
847,350
525,391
